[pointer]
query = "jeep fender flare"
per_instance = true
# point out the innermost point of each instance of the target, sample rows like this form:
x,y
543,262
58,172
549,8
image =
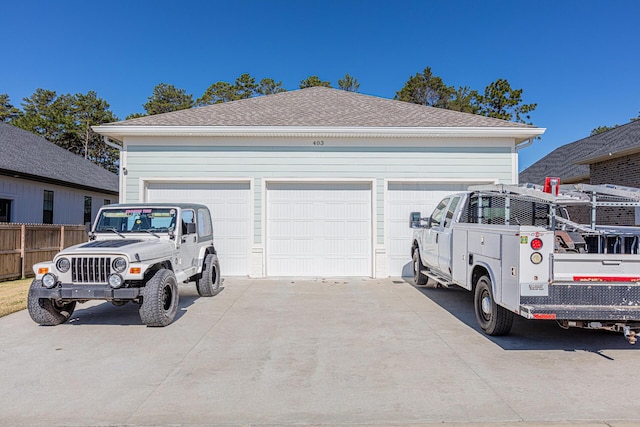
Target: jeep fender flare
x,y
203,254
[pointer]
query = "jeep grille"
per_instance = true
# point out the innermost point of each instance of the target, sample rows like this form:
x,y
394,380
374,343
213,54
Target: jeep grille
x,y
90,269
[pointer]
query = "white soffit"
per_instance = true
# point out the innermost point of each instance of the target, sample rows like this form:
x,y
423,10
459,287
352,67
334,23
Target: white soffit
x,y
519,134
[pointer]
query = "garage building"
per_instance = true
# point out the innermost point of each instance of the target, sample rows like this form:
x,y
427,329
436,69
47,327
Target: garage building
x,y
313,182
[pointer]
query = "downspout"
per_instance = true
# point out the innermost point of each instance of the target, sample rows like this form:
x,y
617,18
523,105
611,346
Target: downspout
x,y
122,169
517,148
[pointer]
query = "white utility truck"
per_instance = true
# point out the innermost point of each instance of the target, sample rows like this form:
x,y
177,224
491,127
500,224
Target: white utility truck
x,y
517,250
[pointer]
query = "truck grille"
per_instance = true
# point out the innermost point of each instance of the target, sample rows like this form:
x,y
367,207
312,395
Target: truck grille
x,y
90,269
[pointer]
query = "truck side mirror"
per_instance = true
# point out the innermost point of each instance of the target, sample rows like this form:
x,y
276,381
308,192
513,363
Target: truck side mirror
x,y
414,219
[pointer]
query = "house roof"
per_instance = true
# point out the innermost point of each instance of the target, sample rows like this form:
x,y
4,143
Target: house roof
x,y
617,142
571,161
316,107
29,156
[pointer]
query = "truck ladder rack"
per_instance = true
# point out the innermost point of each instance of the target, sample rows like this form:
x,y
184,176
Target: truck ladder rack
x,y
570,194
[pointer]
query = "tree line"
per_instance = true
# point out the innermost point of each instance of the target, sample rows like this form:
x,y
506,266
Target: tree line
x,y
66,119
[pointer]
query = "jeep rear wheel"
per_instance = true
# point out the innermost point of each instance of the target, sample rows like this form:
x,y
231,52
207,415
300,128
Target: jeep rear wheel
x,y
159,299
48,312
208,284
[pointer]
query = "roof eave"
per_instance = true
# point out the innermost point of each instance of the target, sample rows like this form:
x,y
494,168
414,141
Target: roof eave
x,y
520,134
608,156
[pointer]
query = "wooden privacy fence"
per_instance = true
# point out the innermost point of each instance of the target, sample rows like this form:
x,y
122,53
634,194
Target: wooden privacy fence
x,y
22,245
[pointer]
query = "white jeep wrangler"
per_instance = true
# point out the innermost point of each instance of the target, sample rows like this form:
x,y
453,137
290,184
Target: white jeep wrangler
x,y
136,252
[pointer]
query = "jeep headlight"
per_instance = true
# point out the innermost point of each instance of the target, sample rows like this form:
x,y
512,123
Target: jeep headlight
x,y
119,265
49,280
115,281
63,265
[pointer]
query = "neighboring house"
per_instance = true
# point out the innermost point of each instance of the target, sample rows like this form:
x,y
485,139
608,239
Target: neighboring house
x,y
611,157
41,182
314,182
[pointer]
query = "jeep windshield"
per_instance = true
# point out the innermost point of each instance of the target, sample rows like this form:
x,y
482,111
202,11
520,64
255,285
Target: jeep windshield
x,y
137,220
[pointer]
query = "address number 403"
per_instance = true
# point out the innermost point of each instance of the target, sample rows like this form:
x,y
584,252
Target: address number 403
x,y
318,142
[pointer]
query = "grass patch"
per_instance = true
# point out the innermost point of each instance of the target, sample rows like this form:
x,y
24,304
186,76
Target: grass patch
x,y
13,296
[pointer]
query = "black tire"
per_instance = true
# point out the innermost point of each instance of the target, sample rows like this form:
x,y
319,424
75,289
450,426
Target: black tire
x,y
208,284
492,318
418,278
159,299
48,312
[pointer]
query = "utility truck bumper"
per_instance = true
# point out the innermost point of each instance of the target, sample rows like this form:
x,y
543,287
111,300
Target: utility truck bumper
x,y
599,301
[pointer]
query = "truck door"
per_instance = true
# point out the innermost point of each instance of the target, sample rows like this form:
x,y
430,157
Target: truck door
x,y
445,237
431,235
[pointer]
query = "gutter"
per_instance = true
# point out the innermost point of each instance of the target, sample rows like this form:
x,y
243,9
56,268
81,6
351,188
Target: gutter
x,y
524,144
111,144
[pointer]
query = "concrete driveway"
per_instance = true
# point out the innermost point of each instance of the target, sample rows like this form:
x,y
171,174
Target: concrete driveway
x,y
331,352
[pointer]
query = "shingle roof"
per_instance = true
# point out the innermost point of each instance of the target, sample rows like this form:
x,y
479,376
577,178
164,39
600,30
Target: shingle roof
x,y
617,141
570,162
319,106
25,153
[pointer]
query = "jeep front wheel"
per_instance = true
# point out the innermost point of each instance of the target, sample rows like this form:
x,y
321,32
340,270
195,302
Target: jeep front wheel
x,y
159,299
209,282
48,312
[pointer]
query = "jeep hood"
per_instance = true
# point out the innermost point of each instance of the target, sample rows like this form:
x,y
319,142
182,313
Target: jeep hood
x,y
144,249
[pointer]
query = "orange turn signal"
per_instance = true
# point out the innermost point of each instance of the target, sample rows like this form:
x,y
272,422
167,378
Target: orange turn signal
x,y
134,270
43,270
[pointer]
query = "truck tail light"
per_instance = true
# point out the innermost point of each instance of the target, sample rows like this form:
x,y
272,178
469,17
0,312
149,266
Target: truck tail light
x,y
536,244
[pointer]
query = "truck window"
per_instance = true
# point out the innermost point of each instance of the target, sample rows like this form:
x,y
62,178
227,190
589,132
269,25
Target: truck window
x,y
451,211
438,213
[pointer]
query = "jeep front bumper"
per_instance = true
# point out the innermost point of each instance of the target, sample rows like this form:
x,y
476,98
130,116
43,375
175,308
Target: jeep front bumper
x,y
70,292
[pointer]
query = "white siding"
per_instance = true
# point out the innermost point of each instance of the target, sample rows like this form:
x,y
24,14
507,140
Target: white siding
x,y
68,203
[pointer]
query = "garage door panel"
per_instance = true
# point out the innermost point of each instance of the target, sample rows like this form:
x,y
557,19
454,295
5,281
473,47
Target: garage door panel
x,y
318,229
230,206
402,199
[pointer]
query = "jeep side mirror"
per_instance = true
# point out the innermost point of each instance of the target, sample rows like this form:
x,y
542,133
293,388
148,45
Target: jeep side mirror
x,y
87,228
414,219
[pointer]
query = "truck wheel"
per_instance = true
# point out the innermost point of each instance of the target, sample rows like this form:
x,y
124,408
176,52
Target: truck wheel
x,y
492,318
159,299
418,278
208,284
48,312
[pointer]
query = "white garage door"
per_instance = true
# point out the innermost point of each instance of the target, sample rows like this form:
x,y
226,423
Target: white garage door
x,y
402,199
230,208
318,229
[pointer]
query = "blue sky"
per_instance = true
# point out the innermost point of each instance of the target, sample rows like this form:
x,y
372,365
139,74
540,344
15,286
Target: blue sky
x,y
578,60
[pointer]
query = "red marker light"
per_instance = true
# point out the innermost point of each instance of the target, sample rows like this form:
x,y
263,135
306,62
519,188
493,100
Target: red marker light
x,y
536,244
